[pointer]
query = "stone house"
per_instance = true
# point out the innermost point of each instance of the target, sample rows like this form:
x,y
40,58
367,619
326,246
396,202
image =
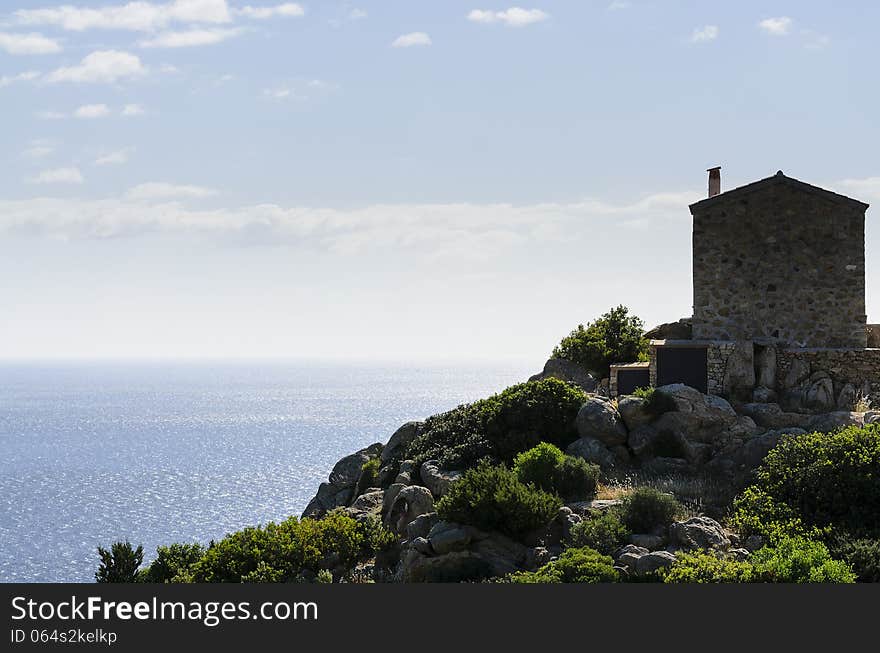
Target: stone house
x,y
779,300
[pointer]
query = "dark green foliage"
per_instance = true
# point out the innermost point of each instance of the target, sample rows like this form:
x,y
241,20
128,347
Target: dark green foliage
x,y
546,467
863,555
369,476
604,532
645,509
494,499
173,563
282,552
706,567
656,403
799,560
755,512
581,565
501,426
120,563
616,337
826,479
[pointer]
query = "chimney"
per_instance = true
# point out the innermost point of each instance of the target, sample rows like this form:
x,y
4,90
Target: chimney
x,y
714,181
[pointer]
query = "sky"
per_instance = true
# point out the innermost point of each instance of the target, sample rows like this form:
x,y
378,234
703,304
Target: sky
x,y
402,180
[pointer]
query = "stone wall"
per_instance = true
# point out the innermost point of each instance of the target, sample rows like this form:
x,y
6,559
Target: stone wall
x,y
717,355
857,368
780,264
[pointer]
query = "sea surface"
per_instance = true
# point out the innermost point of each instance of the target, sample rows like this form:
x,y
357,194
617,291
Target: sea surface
x,y
155,453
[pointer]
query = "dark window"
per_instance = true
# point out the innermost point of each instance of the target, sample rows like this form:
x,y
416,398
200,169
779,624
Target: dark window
x,y
629,380
682,365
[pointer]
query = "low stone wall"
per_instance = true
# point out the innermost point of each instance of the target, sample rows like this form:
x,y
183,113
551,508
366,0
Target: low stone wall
x,y
858,368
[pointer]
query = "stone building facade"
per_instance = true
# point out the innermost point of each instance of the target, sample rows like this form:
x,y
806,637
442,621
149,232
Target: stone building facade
x,y
780,261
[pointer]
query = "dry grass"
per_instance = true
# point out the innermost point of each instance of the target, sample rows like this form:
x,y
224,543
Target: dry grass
x,y
862,403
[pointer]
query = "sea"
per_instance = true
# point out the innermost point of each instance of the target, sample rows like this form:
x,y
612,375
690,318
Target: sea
x,y
161,452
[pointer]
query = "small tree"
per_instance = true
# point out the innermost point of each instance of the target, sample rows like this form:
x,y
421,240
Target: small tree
x,y
616,337
119,564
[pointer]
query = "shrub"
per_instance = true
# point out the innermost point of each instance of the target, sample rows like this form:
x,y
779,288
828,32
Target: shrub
x,y
616,337
708,568
501,426
369,476
173,563
582,565
546,467
494,499
863,555
656,403
799,560
605,533
119,564
281,552
756,513
827,479
645,508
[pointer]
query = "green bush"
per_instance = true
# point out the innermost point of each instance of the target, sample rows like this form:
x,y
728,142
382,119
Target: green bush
x,y
708,568
605,533
582,565
863,555
281,552
546,467
826,479
646,508
616,337
799,560
755,512
501,426
656,403
494,499
173,563
120,563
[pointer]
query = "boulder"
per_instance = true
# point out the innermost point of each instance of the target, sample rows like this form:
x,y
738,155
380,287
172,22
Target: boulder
x,y
446,537
591,450
398,443
772,416
697,417
410,502
632,411
390,495
370,501
846,400
740,555
641,439
753,450
598,419
421,525
647,541
797,374
872,416
418,567
630,549
651,562
329,496
763,395
588,508
568,371
819,396
681,330
835,420
739,371
437,480
699,533
347,471
422,545
753,543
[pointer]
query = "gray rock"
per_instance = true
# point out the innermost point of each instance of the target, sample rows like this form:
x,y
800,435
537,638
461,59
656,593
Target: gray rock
x,y
445,538
421,525
591,450
765,367
753,543
740,555
598,419
370,501
651,562
410,502
390,495
763,395
399,442
422,545
663,466
739,371
329,496
437,480
754,450
846,400
537,557
836,420
587,508
630,559
640,440
699,533
820,395
872,416
681,330
347,471
647,541
798,372
697,416
568,371
772,416
632,411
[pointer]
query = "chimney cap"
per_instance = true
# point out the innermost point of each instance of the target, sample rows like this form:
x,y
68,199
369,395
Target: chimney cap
x,y
715,168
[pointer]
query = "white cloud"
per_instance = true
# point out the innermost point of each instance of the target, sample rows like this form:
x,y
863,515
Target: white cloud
x,y
867,189
617,5
7,80
92,111
133,16
705,33
189,38
102,66
357,14
51,115
113,158
779,26
132,110
38,149
166,191
288,10
513,17
411,39
58,176
28,44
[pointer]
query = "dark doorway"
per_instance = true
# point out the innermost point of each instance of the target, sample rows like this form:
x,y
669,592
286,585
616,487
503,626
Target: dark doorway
x,y
682,365
629,380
